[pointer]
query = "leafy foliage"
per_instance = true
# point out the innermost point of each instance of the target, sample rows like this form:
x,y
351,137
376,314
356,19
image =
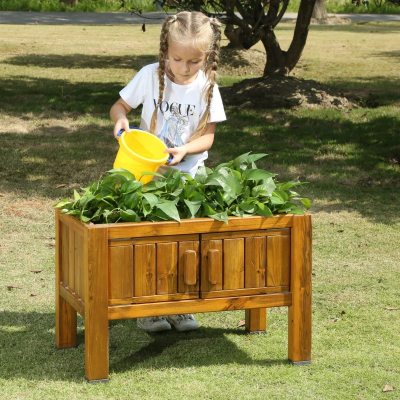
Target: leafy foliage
x,y
237,188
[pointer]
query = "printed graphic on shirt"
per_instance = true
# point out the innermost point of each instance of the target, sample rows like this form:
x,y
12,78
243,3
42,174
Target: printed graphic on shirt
x,y
174,127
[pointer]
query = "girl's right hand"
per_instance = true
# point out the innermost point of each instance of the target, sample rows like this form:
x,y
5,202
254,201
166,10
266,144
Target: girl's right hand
x,y
123,124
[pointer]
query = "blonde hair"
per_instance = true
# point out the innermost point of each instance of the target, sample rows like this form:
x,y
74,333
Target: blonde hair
x,y
190,29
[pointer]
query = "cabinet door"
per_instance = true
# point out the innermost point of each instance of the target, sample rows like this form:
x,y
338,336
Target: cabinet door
x,y
154,269
245,263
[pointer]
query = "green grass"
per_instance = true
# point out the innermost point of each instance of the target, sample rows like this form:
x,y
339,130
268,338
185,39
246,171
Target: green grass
x,y
81,6
332,6
56,136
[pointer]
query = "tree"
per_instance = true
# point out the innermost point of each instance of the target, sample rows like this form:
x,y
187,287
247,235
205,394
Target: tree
x,y
319,11
250,21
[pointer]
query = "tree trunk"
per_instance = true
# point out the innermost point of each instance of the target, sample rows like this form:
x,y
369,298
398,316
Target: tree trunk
x,y
280,62
234,36
319,11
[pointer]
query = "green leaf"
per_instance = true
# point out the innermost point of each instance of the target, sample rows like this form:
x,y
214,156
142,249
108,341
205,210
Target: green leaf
x,y
222,216
63,203
169,208
131,186
254,157
306,202
264,210
238,161
258,174
123,172
265,189
201,175
249,208
129,216
153,174
193,207
151,199
76,195
229,184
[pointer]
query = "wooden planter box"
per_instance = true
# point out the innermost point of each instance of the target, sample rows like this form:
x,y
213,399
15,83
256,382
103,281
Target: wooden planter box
x,y
130,270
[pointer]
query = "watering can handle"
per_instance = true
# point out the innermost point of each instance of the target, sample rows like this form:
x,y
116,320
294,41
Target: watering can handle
x,y
131,127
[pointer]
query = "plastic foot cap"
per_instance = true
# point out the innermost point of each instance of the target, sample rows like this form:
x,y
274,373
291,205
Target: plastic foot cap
x,y
97,380
300,363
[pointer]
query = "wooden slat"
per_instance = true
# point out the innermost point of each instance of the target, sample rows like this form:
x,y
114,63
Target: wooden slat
x,y
299,316
183,287
197,225
96,302
71,260
73,223
198,306
145,269
120,272
243,292
167,268
72,299
189,267
245,234
255,262
213,265
66,321
233,263
154,299
278,260
78,265
64,243
149,240
256,320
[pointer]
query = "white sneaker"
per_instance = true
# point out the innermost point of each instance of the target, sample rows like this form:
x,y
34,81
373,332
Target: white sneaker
x,y
153,324
183,322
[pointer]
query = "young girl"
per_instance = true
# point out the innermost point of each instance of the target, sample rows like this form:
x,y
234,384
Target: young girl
x,y
181,105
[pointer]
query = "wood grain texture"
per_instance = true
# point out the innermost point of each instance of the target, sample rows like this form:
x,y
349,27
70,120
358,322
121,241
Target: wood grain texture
x,y
211,265
256,320
255,261
167,268
197,225
145,269
120,272
189,267
233,263
96,302
299,332
66,318
199,306
278,260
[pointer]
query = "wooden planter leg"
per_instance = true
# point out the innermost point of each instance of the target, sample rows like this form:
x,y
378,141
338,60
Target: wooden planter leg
x,y
65,324
96,305
256,320
65,313
300,286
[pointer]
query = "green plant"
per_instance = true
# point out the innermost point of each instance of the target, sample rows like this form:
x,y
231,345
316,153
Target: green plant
x,y
237,188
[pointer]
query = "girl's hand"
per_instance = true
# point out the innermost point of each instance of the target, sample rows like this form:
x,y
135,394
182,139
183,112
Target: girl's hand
x,y
177,153
121,123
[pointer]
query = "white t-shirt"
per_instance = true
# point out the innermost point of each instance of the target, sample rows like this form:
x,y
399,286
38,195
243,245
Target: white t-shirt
x,y
179,113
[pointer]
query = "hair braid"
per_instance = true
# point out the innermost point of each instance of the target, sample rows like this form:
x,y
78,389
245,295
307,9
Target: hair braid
x,y
162,55
211,74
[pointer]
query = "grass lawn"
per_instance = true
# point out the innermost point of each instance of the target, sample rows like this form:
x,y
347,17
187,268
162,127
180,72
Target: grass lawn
x,y
57,85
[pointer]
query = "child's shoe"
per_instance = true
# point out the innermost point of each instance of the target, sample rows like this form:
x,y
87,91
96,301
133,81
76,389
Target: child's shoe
x,y
153,324
183,322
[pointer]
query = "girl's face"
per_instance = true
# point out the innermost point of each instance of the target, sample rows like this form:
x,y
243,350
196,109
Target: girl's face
x,y
185,62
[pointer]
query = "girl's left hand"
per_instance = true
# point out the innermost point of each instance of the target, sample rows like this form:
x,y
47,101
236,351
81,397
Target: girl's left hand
x,y
177,153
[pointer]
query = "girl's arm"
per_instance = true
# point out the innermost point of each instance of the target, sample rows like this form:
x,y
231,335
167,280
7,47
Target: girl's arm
x,y
118,115
199,145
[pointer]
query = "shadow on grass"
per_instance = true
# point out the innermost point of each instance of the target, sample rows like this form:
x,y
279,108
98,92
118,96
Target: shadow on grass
x,y
81,61
28,349
350,158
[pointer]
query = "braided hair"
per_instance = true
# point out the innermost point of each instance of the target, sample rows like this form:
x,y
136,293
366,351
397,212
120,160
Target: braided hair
x,y
191,29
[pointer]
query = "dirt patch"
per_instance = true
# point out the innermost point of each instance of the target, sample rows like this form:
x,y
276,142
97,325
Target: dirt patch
x,y
241,62
283,92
